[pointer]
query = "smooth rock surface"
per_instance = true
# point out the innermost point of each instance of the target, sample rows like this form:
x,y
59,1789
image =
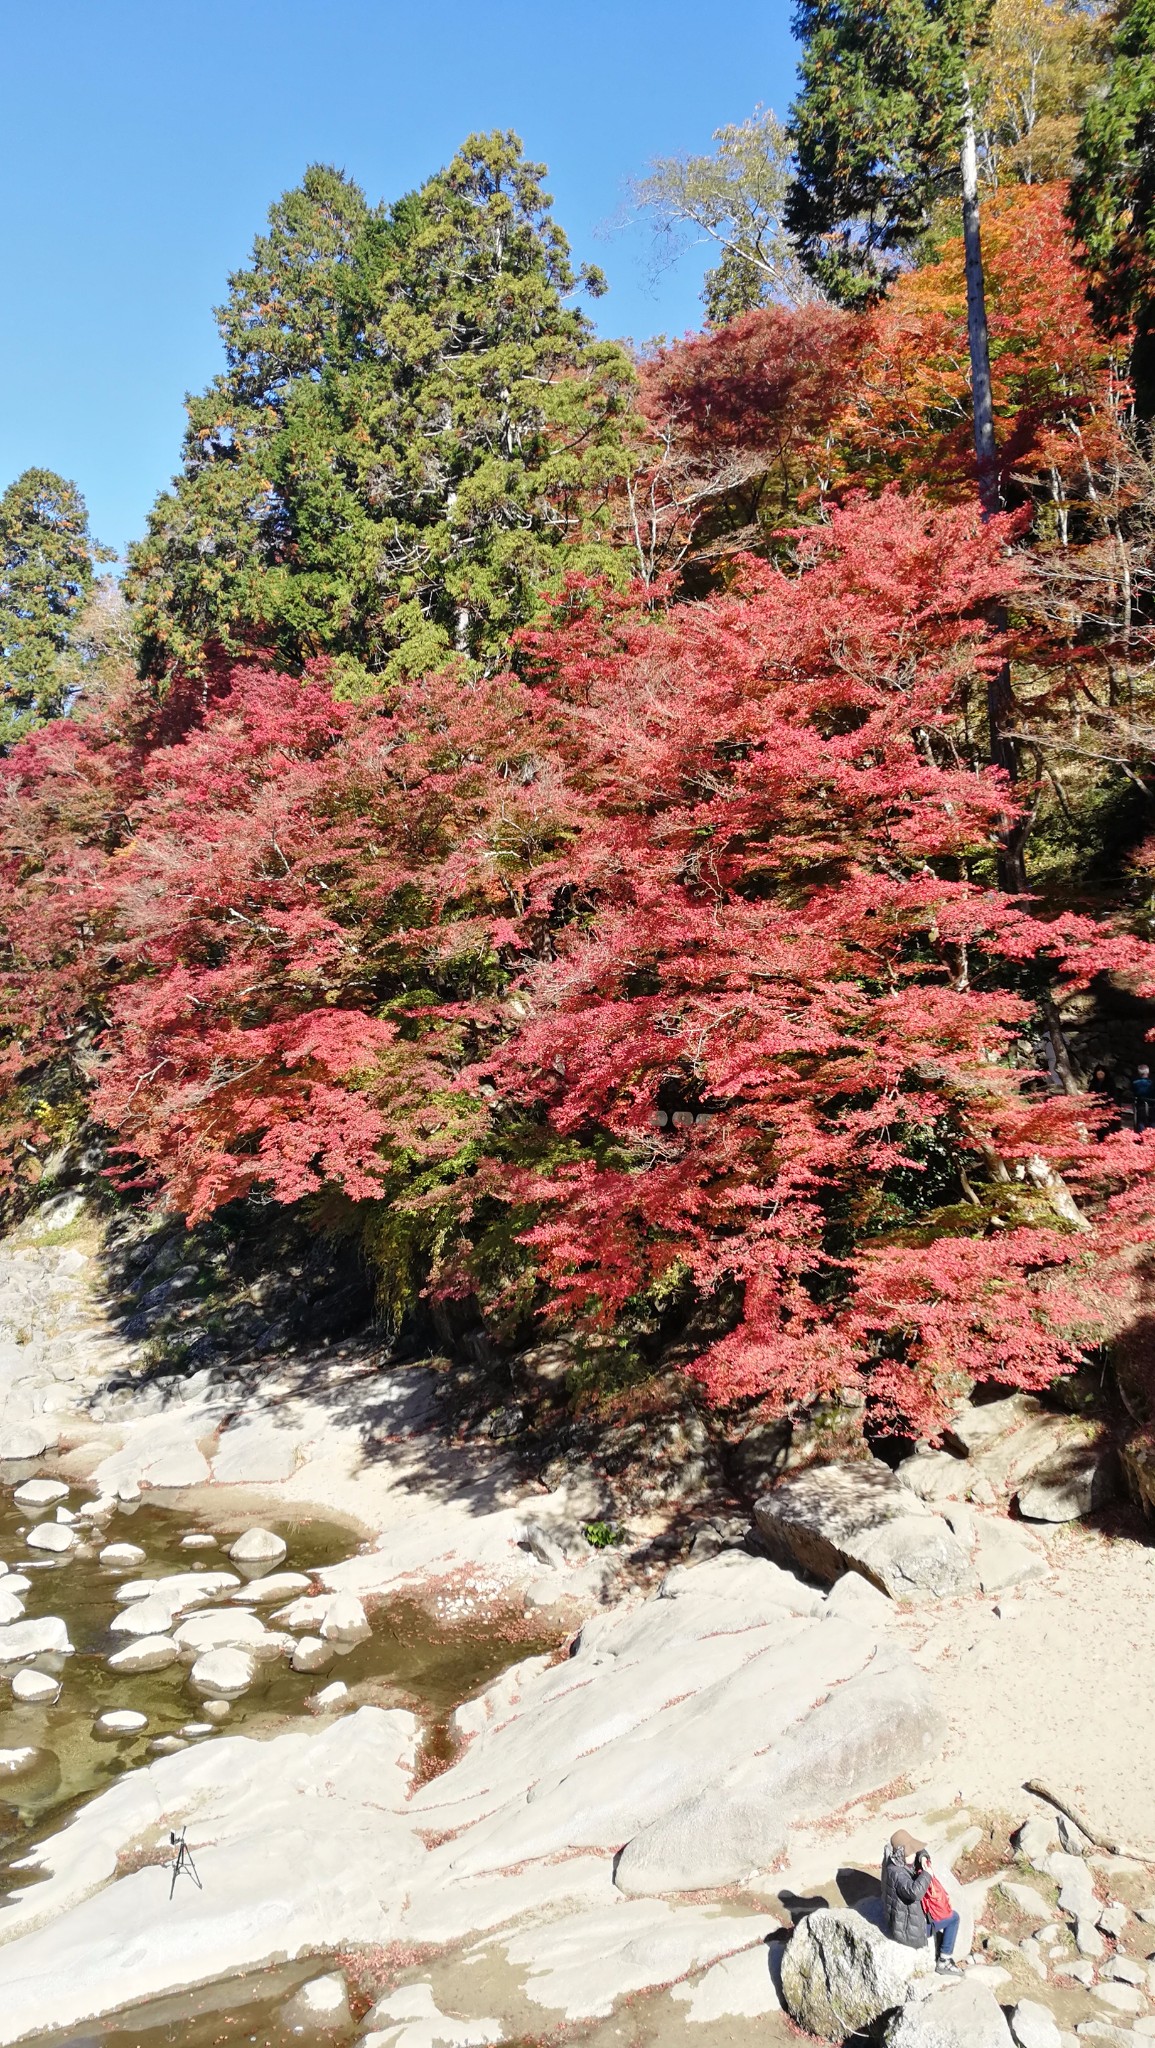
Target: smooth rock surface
x,y
56,1537
320,2005
233,1628
223,1674
258,1550
35,1688
739,1987
583,1963
959,2013
840,1973
878,1722
410,2017
311,1654
858,1517
11,1607
122,1554
345,1620
46,1635
120,1721
40,1493
1034,2025
1076,1481
150,1653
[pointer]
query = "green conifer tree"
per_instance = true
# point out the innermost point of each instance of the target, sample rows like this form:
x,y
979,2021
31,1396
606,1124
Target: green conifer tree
x,y
197,573
399,483
47,565
1113,195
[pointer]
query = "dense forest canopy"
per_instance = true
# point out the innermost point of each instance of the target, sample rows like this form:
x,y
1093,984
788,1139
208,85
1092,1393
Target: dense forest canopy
x,y
655,842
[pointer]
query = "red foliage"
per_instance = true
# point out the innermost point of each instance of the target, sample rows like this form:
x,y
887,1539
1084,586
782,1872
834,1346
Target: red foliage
x,y
723,850
786,408
777,850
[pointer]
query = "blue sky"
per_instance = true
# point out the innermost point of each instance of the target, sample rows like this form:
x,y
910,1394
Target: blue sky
x,y
144,140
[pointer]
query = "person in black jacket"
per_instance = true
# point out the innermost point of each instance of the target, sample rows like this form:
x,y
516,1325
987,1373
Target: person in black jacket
x,y
902,1891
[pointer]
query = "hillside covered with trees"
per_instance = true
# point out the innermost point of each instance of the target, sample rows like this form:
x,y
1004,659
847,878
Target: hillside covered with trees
x,y
657,843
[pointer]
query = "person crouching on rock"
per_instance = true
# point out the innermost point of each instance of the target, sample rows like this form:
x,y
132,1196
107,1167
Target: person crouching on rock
x,y
940,1914
913,1901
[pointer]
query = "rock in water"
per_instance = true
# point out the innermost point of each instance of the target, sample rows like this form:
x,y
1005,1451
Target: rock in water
x,y
11,1607
311,1654
122,1554
258,1550
222,1674
959,2014
151,1653
840,1973
46,1636
40,1493
1034,2025
837,1518
35,1688
27,1773
54,1536
120,1721
345,1620
321,2004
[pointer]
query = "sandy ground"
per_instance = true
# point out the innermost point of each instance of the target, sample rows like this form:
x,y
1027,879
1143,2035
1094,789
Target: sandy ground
x,y
1055,1682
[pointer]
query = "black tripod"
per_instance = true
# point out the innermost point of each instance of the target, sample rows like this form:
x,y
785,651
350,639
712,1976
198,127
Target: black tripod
x,y
182,1861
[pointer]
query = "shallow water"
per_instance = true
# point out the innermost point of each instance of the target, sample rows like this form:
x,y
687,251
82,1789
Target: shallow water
x,y
409,1659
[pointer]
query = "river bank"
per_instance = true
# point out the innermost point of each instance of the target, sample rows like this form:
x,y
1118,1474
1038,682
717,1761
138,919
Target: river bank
x,y
619,1828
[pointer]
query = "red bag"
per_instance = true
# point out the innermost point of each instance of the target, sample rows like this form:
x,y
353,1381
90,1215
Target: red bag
x,y
935,1903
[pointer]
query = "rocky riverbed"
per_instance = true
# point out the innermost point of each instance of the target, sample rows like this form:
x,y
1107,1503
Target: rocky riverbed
x,y
652,1770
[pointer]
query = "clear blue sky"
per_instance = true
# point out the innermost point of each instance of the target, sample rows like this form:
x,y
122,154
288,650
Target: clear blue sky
x,y
144,140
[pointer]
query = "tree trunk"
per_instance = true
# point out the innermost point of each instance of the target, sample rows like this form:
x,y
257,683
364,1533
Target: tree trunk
x,y
1000,698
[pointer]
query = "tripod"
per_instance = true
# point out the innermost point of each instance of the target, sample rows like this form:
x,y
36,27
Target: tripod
x,y
182,1861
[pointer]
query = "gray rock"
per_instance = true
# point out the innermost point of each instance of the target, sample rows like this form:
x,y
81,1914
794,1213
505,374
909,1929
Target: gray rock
x,y
330,1696
1034,1840
21,1438
122,1555
258,1550
56,1537
35,1688
1079,1479
151,1653
868,1730
958,2014
320,2006
977,1426
935,1475
1124,1970
1074,1841
1034,2025
1121,1997
46,1635
311,1654
11,1606
840,1973
222,1674
345,1620
40,1493
554,1543
857,1517
120,1721
1113,1919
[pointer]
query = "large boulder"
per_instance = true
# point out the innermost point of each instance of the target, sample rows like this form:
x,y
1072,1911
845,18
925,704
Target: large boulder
x,y
1079,1479
858,1517
840,1973
878,1725
958,2014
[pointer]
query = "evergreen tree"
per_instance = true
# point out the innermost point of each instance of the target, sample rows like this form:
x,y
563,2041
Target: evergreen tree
x,y
407,449
1113,195
197,574
47,562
